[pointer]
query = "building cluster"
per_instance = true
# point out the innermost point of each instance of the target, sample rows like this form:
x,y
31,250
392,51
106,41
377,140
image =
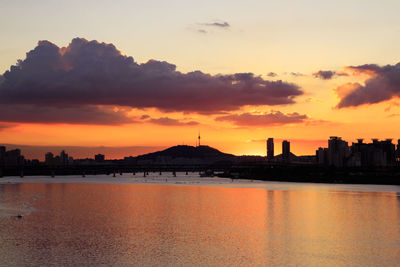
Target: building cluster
x,y
11,157
284,157
64,160
60,160
376,154
14,158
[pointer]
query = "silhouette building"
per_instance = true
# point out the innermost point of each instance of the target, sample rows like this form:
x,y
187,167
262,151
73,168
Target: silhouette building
x,y
49,158
338,150
63,158
322,156
286,150
376,154
270,148
13,158
2,155
398,151
99,158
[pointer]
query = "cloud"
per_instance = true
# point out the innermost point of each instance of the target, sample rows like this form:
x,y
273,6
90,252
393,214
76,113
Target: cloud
x,y
324,74
172,122
272,74
383,84
296,74
218,24
69,115
201,31
328,74
144,117
267,119
366,69
88,74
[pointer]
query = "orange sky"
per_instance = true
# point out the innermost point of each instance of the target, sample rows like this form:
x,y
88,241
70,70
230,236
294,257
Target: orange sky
x,y
186,70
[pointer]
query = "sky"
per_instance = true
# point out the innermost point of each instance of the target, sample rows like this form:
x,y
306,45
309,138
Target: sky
x,y
156,73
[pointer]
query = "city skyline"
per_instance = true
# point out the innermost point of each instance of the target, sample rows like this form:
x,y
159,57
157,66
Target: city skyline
x,y
47,154
235,78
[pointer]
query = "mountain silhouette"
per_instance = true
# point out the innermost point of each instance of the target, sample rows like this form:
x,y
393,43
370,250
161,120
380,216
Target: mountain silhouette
x,y
186,154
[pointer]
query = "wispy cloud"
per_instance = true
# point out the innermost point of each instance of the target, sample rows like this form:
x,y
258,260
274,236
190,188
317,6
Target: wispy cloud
x,y
165,121
274,118
218,24
209,27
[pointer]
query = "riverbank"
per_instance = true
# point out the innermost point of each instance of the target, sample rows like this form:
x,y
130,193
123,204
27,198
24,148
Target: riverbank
x,y
182,179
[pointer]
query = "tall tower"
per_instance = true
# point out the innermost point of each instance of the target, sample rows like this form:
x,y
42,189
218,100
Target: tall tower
x,y
270,148
199,138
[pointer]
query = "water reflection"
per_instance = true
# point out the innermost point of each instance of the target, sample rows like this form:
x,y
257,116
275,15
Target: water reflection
x,y
94,224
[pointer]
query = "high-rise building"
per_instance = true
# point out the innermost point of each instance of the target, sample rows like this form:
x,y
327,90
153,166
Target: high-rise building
x,y
14,158
99,158
398,151
2,155
377,153
49,158
338,151
63,158
270,148
286,150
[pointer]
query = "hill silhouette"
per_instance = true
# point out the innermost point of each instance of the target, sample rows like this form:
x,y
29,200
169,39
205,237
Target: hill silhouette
x,y
184,154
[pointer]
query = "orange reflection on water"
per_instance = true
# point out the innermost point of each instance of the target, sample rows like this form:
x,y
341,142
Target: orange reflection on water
x,y
151,225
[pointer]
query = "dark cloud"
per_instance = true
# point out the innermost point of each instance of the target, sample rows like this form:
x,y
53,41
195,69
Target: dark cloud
x,y
296,74
272,74
383,84
89,73
324,74
172,122
219,24
368,69
328,74
144,117
267,119
71,115
201,31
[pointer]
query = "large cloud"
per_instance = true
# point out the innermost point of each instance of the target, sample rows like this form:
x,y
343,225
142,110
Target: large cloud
x,y
383,84
267,119
89,73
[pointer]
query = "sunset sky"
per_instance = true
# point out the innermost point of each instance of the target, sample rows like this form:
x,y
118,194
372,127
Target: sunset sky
x,y
155,73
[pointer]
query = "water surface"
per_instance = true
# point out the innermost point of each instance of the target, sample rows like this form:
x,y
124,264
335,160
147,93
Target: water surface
x,y
169,225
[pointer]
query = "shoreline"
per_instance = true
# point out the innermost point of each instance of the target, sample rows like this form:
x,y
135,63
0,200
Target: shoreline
x,y
183,180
